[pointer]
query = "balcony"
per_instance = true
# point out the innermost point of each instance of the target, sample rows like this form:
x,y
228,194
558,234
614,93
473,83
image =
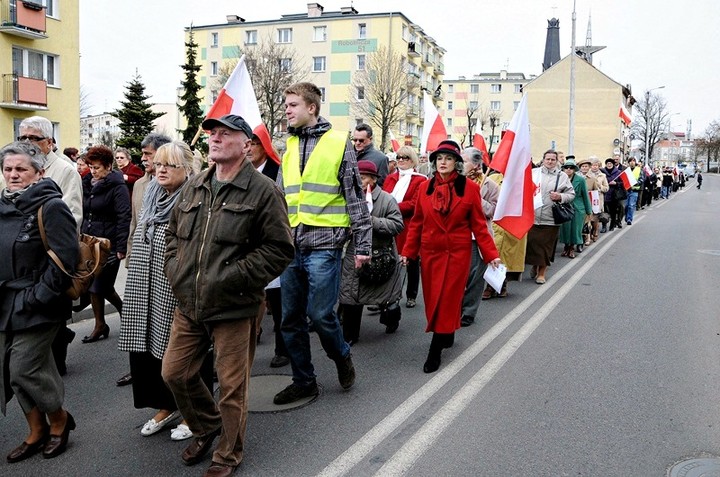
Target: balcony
x,y
440,68
427,60
411,50
23,18
28,94
411,110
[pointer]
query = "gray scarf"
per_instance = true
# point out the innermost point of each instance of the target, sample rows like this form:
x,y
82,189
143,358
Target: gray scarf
x,y
157,205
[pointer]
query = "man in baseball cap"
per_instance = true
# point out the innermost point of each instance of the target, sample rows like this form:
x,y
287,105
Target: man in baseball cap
x,y
232,121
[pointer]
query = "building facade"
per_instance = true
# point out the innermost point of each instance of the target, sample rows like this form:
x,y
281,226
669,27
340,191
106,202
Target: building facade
x,y
486,102
333,47
40,66
598,129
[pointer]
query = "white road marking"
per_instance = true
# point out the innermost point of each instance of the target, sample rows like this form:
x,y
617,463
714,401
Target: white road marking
x,y
402,460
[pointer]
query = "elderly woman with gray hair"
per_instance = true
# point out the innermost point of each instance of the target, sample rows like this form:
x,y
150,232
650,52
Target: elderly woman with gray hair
x,y
33,304
489,192
147,312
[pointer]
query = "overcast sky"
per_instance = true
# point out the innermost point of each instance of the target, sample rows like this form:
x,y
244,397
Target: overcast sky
x,y
650,43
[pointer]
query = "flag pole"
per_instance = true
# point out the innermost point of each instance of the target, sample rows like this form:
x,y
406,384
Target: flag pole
x,y
197,136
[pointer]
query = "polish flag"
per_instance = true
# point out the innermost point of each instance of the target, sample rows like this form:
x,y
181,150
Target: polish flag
x,y
514,211
394,142
647,170
433,127
624,114
238,97
628,178
479,143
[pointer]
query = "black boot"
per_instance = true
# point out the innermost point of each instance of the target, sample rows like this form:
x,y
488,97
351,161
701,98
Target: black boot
x,y
390,317
439,342
351,319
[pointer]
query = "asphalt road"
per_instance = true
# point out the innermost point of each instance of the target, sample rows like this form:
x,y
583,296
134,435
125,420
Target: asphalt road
x,y
610,369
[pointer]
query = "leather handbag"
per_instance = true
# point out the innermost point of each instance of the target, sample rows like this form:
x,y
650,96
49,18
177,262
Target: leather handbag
x,y
562,212
93,254
381,267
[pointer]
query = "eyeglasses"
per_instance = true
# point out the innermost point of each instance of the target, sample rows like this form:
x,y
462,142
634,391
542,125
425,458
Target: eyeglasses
x,y
360,140
158,165
403,158
31,138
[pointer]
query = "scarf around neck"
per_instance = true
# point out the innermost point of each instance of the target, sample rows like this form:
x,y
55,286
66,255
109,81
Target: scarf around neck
x,y
157,205
441,197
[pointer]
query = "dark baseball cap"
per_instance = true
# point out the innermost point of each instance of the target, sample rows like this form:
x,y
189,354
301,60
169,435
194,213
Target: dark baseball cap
x,y
231,121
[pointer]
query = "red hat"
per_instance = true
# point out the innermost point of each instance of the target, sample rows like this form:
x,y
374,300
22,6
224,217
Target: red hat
x,y
449,147
368,168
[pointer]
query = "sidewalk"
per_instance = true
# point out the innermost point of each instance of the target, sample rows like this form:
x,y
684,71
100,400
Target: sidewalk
x,y
87,313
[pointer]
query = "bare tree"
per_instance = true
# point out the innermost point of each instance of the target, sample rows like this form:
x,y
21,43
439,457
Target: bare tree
x,y
709,144
85,103
380,90
272,68
475,120
494,120
652,121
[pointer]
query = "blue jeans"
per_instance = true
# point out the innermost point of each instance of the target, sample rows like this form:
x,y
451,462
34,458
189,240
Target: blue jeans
x,y
665,192
632,197
310,287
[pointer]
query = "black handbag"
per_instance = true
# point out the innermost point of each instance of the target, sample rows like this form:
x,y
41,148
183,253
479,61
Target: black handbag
x,y
381,267
562,212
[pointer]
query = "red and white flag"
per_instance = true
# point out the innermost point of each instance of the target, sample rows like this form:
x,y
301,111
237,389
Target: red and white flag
x,y
628,178
479,143
625,114
433,128
238,97
394,142
514,211
647,170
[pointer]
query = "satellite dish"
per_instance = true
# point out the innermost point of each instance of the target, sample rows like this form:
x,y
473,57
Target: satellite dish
x,y
616,142
632,137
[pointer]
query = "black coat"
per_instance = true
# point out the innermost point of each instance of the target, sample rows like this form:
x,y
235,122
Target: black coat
x,y
31,285
271,169
106,210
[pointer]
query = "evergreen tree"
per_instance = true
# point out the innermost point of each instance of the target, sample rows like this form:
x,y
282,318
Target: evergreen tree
x,y
191,102
136,117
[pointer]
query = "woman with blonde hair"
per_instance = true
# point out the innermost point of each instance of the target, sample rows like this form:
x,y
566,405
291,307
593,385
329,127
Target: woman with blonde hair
x,y
149,302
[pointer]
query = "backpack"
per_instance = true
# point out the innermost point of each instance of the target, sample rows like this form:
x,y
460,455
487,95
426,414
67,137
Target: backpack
x,y
92,256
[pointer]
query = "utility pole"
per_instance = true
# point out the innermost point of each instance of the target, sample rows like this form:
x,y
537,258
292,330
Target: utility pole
x,y
571,116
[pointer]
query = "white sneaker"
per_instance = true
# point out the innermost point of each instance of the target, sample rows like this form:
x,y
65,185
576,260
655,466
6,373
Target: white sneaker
x,y
152,426
181,432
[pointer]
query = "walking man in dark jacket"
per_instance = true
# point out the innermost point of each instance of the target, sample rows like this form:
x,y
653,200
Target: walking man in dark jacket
x,y
363,141
228,236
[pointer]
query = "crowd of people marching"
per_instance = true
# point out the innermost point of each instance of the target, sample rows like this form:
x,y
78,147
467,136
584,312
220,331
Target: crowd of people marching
x,y
313,237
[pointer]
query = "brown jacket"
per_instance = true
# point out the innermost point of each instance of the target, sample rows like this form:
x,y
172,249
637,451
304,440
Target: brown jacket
x,y
222,253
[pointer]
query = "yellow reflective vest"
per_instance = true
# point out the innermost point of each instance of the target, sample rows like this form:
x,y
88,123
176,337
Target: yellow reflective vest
x,y
316,197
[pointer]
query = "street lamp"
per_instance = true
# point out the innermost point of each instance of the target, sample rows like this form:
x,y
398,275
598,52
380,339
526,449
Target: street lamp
x,y
648,159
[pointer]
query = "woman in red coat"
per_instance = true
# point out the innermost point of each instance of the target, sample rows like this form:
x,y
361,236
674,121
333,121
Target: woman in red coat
x,y
131,172
403,185
448,209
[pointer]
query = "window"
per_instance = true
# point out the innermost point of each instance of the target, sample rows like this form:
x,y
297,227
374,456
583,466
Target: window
x,y
359,121
320,33
495,88
284,35
449,122
518,88
214,39
451,88
516,104
495,105
361,62
474,88
449,105
318,64
37,65
360,93
473,105
362,31
251,37
51,8
213,68
322,95
285,64
214,95
405,32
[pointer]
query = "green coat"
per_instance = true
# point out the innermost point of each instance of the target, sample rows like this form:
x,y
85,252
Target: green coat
x,y
571,232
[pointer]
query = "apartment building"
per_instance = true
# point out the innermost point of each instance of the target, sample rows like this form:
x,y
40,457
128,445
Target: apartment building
x,y
486,102
333,47
40,66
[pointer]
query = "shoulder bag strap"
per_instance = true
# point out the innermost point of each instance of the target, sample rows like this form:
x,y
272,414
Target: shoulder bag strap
x,y
49,251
